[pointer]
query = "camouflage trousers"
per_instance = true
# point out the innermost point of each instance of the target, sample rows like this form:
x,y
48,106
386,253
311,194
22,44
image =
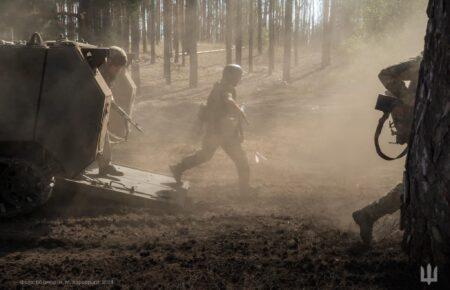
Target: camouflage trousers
x,y
388,204
105,158
232,145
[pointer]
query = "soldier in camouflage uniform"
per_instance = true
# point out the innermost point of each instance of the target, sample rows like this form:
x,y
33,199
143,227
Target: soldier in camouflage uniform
x,y
393,78
116,62
222,117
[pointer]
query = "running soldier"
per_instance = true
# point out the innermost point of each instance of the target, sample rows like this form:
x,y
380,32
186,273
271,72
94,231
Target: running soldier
x,y
222,118
394,78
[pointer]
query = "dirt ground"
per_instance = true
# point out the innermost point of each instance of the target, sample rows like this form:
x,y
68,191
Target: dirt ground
x,y
316,134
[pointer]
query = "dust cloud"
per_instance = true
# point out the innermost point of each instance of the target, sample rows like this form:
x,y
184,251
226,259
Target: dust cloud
x,y
316,132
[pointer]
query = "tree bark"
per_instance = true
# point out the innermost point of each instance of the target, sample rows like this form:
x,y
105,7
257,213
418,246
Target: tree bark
x,y
287,41
158,21
229,32
144,7
251,27
135,32
71,27
167,6
238,43
152,31
426,211
296,30
85,20
192,19
260,25
182,32
271,37
176,31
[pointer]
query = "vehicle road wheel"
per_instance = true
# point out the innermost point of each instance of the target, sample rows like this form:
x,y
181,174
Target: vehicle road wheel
x,y
23,187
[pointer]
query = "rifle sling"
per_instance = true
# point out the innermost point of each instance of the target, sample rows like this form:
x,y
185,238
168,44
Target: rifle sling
x,y
380,153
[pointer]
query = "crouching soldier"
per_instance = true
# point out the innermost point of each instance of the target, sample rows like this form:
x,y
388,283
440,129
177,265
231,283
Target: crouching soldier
x,y
115,63
222,118
394,78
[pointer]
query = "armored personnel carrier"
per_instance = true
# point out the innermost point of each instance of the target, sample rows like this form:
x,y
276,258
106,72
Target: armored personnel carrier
x,y
55,110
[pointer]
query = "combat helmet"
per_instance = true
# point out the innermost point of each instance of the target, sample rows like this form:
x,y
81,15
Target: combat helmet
x,y
232,74
117,56
232,69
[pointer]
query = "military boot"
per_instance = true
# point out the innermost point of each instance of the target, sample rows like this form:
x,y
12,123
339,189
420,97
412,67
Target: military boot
x,y
177,173
109,170
365,223
367,216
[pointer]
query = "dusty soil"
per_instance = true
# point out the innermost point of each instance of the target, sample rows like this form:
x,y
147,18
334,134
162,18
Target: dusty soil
x,y
316,134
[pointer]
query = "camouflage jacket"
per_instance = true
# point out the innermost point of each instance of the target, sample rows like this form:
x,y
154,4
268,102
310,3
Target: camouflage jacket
x,y
216,114
216,106
394,78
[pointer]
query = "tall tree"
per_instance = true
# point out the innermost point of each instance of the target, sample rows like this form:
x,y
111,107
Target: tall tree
x,y
296,30
182,22
135,31
71,27
426,210
152,31
271,36
260,26
144,10
85,8
287,41
238,43
251,28
176,31
158,21
125,27
229,31
167,9
192,19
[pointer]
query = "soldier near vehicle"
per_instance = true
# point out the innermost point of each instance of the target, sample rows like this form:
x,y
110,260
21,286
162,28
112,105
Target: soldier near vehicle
x,y
116,62
399,105
222,118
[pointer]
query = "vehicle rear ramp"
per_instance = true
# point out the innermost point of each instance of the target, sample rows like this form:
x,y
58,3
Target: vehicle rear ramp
x,y
136,187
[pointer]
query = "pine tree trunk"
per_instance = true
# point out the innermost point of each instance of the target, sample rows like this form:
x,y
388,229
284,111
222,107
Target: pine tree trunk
x,y
167,6
209,21
296,30
85,20
144,10
71,31
126,31
326,40
152,32
260,24
287,41
182,32
158,21
192,19
176,40
251,28
426,211
271,36
229,31
135,32
203,22
266,13
238,43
